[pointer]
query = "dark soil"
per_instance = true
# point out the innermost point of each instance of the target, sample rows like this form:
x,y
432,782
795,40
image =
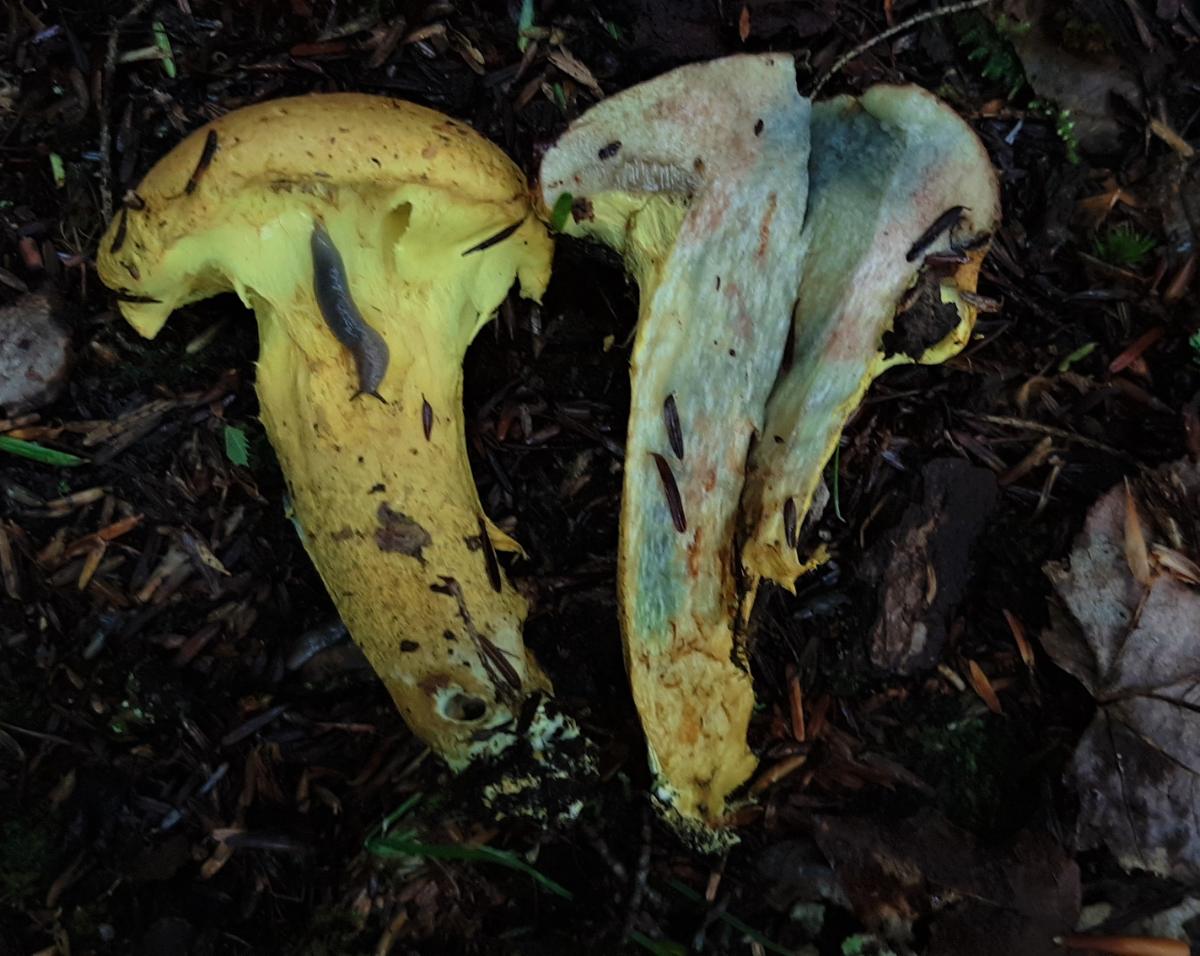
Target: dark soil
x,y
169,785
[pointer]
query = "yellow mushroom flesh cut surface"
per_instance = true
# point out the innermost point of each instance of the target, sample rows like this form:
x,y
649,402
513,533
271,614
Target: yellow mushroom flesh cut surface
x,y
373,238
750,217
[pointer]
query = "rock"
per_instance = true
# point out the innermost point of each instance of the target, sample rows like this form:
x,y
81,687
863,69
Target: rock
x,y
35,352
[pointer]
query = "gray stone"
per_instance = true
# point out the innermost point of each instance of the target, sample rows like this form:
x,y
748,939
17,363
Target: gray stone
x,y
35,352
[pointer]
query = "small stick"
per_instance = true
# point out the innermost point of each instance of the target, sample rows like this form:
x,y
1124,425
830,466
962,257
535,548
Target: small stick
x,y
109,74
891,32
640,878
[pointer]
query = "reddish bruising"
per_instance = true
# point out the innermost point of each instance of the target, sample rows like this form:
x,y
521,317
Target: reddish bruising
x,y
764,230
706,217
433,683
694,553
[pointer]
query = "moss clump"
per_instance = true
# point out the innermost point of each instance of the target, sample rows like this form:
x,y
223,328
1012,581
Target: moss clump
x,y
974,762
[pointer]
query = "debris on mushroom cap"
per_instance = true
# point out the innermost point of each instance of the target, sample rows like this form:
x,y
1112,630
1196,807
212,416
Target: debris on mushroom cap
x,y
751,217
362,232
699,178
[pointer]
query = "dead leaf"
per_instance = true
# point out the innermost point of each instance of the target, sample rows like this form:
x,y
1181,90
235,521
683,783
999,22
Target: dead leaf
x,y
571,65
1082,84
1011,899
1179,565
744,24
1137,767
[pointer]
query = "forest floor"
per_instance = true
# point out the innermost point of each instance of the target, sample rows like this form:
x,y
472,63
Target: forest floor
x,y
185,767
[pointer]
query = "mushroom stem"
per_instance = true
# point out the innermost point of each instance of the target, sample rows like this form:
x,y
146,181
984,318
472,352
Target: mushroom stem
x,y
373,239
389,514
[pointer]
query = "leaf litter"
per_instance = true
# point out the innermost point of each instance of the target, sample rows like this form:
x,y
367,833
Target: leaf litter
x,y
1127,625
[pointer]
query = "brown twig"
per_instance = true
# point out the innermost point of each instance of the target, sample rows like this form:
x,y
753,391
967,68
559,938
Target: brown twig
x,y
110,72
640,878
891,32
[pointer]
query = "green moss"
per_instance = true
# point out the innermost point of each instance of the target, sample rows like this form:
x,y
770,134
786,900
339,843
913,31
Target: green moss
x,y
989,46
1124,246
973,762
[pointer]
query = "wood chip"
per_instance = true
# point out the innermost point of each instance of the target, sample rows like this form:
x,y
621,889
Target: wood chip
x,y
778,771
796,702
1125,945
8,566
983,687
1036,457
1018,633
571,65
1176,564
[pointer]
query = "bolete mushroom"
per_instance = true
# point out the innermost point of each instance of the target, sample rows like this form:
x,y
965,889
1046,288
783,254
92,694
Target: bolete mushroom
x,y
895,177
373,238
750,217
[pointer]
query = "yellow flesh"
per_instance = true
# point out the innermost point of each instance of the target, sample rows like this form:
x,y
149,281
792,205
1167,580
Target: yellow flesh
x,y
385,513
877,182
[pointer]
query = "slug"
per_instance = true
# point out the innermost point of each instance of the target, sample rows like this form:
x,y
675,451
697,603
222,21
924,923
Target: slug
x,y
331,287
947,220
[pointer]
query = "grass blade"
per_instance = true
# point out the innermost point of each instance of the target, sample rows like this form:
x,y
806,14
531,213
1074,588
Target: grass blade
x,y
403,844
39,453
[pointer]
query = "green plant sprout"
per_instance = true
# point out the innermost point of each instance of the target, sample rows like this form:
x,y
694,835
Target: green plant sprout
x,y
990,45
403,843
1123,246
1064,125
39,453
237,446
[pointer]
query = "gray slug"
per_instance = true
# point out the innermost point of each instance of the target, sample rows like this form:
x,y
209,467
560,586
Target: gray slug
x,y
331,287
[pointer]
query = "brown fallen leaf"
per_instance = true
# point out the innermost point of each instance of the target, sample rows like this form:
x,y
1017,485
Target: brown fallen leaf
x,y
1011,899
1134,646
575,68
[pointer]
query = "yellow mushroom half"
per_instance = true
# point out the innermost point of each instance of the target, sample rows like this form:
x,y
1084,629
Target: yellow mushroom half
x,y
373,238
773,241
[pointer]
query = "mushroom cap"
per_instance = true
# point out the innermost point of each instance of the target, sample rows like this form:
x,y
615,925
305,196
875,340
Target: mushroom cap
x,y
316,150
